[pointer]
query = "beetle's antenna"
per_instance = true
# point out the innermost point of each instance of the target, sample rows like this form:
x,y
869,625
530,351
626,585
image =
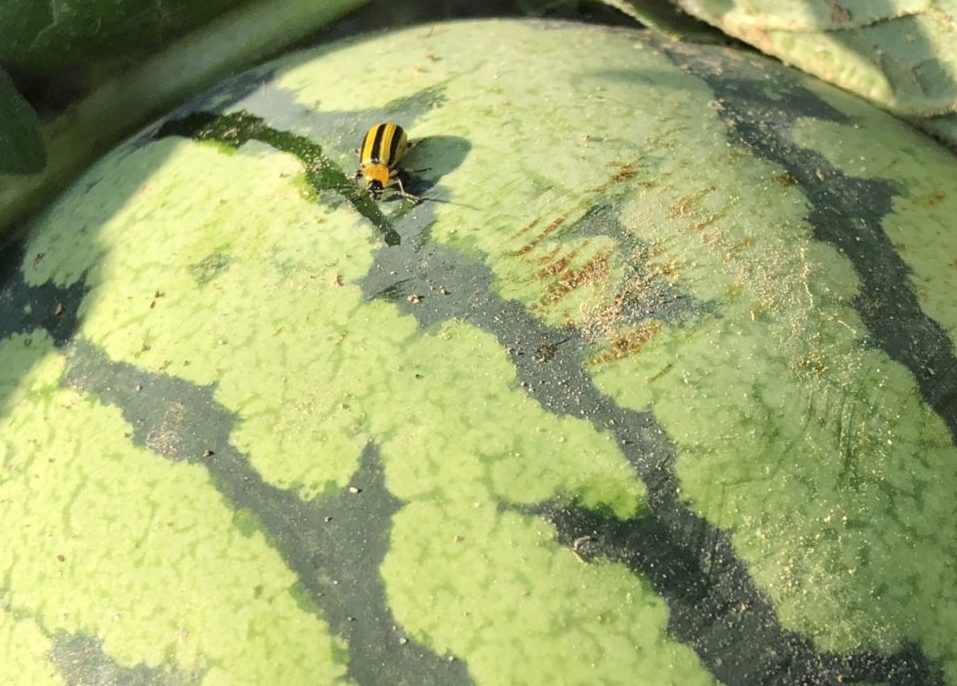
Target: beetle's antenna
x,y
448,202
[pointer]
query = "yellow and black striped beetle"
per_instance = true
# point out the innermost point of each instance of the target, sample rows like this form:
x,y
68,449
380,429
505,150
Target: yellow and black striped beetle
x,y
382,149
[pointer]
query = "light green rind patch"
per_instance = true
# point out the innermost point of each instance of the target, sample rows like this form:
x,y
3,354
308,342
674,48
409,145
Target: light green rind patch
x,y
244,290
24,652
921,227
814,451
524,611
105,538
499,445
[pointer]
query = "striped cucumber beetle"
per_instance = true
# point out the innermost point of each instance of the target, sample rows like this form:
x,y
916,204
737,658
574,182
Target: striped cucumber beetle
x,y
382,149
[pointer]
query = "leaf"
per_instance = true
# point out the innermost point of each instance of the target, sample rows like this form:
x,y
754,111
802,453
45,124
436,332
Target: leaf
x,y
804,15
539,8
233,42
943,128
901,54
47,35
21,143
665,18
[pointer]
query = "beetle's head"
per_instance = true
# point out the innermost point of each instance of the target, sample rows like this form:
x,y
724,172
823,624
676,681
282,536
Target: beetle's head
x,y
373,177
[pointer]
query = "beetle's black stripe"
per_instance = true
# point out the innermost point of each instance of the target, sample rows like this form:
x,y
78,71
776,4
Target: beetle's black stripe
x,y
394,146
376,155
363,149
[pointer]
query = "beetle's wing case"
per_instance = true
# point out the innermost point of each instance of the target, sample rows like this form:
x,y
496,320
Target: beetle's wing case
x,y
383,144
367,149
399,144
383,147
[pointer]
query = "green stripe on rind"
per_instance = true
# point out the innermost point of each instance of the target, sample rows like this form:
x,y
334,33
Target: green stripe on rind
x,y
80,660
778,409
920,219
333,545
847,212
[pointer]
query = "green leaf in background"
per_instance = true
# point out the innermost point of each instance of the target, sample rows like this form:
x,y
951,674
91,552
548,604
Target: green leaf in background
x,y
43,36
900,54
943,127
232,42
21,144
805,15
538,8
663,17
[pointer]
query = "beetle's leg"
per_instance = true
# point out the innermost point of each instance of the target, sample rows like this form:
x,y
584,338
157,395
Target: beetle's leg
x,y
404,194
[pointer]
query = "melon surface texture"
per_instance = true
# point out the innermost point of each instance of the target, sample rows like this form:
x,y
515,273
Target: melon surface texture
x,y
658,386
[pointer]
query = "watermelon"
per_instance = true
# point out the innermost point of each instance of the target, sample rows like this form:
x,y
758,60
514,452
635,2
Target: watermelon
x,y
656,386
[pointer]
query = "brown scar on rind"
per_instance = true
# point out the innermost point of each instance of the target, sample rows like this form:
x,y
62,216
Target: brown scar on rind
x,y
550,256
623,173
629,343
560,264
525,229
707,221
542,235
685,205
786,179
593,270
664,370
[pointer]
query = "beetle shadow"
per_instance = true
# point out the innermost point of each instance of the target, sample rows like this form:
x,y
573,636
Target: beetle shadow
x,y
427,163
